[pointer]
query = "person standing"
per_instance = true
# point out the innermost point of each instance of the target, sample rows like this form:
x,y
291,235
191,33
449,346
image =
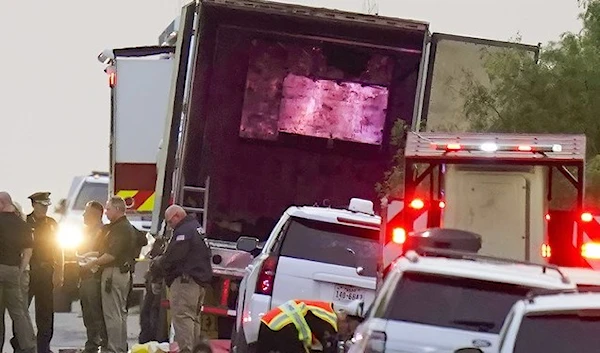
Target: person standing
x,y
187,267
47,268
24,285
150,308
114,261
15,254
90,280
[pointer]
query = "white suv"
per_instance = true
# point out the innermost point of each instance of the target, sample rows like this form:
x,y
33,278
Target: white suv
x,y
556,323
449,301
312,253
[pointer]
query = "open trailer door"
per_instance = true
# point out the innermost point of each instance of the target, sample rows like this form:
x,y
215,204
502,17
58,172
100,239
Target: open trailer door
x,y
175,111
453,61
139,79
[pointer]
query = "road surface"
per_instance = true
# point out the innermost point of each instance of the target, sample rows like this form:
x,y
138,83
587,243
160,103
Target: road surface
x,y
69,331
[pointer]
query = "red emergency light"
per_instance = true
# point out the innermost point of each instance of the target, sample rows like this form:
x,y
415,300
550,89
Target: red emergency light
x,y
112,79
590,250
494,147
417,204
442,205
587,217
399,235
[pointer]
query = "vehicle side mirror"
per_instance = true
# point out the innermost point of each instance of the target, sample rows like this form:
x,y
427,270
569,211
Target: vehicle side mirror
x,y
61,207
468,350
247,244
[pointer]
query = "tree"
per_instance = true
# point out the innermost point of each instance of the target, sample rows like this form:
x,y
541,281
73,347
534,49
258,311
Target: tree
x,y
558,94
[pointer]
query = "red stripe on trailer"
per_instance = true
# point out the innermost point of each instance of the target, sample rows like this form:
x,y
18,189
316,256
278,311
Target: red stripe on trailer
x,y
590,233
135,176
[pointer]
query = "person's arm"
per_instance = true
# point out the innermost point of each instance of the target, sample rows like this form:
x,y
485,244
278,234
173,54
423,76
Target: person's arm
x,y
27,247
25,258
176,251
115,245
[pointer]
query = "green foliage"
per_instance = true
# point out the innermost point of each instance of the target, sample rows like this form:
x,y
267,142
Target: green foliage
x,y
394,178
558,94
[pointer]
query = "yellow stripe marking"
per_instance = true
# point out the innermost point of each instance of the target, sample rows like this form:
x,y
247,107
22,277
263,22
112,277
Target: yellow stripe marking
x,y
148,205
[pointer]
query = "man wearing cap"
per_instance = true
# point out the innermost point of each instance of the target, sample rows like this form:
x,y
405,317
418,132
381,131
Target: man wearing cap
x,y
47,268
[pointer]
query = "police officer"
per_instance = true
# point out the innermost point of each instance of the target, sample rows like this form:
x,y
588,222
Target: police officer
x,y
187,268
47,268
295,325
114,261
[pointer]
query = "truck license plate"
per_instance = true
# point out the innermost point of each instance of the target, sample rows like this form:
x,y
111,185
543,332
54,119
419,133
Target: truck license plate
x,y
348,293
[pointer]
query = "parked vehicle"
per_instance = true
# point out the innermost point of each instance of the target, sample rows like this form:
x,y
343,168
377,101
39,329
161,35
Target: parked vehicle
x,y
496,185
449,300
313,253
563,322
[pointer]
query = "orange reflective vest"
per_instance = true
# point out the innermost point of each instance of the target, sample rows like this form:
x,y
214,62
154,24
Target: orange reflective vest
x,y
294,312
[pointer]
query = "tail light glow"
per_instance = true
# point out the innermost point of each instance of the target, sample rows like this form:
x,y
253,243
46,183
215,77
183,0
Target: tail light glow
x,y
590,250
417,204
453,146
586,217
546,251
266,277
112,79
399,235
524,148
547,216
442,204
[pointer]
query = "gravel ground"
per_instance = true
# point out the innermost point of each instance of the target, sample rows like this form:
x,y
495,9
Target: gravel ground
x,y
69,331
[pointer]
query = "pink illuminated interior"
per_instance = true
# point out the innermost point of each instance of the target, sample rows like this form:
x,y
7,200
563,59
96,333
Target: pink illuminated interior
x,y
301,90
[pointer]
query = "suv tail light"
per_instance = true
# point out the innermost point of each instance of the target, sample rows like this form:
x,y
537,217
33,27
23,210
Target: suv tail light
x,y
266,277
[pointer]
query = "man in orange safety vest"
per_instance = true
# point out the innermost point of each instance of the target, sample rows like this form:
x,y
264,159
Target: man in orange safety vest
x,y
295,326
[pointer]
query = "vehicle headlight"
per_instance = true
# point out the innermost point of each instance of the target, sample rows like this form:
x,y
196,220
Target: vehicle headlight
x,y
69,236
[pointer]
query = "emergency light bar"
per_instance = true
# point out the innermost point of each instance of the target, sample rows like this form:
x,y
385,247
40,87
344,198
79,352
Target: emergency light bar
x,y
494,147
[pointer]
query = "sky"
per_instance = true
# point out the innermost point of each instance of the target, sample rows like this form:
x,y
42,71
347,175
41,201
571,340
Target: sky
x,y
54,106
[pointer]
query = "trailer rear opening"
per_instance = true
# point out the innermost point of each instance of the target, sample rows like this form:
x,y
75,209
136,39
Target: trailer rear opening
x,y
286,105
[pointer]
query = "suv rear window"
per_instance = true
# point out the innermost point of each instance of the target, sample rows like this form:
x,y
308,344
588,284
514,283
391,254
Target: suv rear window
x,y
331,243
91,192
461,303
565,332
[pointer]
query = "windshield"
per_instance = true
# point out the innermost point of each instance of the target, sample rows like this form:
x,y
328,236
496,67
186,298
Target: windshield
x,y
331,243
461,303
558,333
91,192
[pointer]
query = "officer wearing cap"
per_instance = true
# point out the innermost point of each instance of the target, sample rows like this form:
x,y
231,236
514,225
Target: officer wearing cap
x,y
47,268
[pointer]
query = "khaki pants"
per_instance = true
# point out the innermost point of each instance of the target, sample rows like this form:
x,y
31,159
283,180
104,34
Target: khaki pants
x,y
186,302
114,307
14,287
